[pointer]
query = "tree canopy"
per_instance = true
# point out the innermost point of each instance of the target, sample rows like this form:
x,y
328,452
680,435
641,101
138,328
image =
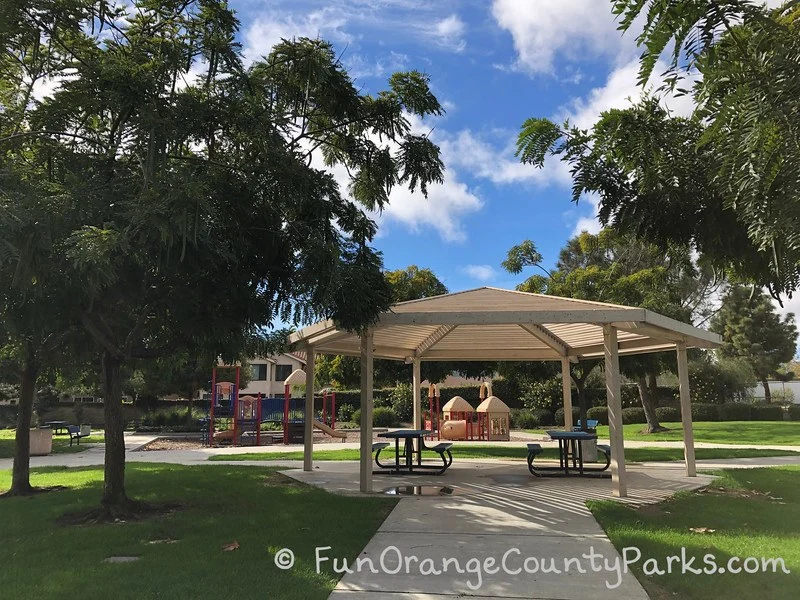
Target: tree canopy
x,y
724,181
200,199
619,269
751,329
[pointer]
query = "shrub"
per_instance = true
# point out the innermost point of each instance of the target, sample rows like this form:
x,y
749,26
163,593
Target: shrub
x,y
633,414
522,418
383,416
668,414
544,417
559,416
766,412
794,412
705,412
735,411
402,402
599,414
344,413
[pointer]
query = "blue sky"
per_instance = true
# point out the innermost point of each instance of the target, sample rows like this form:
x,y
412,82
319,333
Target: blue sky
x,y
492,64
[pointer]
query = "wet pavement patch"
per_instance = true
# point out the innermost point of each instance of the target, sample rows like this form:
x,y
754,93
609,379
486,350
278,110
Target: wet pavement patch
x,y
419,490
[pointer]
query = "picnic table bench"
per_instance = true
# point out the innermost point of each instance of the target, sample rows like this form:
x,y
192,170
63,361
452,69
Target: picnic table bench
x,y
408,452
567,441
76,432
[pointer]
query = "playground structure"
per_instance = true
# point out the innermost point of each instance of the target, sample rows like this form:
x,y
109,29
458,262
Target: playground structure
x,y
238,420
459,421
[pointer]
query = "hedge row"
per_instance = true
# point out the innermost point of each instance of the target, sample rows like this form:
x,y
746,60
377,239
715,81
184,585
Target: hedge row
x,y
730,411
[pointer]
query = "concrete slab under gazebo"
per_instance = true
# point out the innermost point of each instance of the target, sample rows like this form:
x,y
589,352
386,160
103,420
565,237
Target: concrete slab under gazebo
x,y
497,324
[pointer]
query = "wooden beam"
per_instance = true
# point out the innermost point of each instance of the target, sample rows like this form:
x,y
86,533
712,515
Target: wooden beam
x,y
308,332
549,339
601,315
619,485
686,411
366,412
699,338
416,378
643,345
433,339
566,388
308,430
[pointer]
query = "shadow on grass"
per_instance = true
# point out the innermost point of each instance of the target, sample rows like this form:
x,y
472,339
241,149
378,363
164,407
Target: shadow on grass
x,y
747,521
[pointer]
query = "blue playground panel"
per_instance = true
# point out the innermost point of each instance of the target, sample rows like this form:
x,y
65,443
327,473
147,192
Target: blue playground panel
x,y
272,410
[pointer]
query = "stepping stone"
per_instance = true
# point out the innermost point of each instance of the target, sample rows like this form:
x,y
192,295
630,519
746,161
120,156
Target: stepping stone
x,y
121,559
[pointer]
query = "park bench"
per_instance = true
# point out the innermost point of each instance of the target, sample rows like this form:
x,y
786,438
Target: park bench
x,y
534,450
376,448
76,432
590,424
605,449
442,449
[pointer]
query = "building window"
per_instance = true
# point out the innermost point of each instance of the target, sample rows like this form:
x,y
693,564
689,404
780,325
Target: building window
x,y
259,372
282,372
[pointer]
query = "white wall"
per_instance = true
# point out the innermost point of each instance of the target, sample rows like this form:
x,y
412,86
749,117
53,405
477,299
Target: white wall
x,y
778,386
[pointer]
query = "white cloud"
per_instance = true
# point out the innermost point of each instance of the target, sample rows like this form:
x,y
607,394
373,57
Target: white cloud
x,y
358,66
496,162
621,88
572,28
449,33
443,211
270,28
589,223
480,272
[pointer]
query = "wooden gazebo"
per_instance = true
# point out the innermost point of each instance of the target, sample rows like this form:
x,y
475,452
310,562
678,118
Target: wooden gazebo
x,y
497,324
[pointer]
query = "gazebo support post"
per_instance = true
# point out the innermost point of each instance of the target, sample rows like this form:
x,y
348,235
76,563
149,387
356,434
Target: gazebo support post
x,y
366,411
619,486
308,429
686,410
416,379
566,386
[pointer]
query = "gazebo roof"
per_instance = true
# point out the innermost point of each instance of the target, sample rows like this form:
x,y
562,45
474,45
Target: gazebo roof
x,y
496,324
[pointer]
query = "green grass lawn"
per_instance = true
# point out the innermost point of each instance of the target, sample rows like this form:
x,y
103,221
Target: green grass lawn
x,y
753,512
258,508
768,433
631,454
60,443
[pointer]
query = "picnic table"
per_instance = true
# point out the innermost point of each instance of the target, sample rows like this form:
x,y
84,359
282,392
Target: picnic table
x,y
404,461
570,451
58,427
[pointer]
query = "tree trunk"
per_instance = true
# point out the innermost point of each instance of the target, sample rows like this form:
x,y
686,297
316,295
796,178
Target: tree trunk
x,y
767,393
191,406
20,477
114,485
649,404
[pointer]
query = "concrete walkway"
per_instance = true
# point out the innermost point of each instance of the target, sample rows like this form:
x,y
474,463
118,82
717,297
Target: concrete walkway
x,y
495,507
